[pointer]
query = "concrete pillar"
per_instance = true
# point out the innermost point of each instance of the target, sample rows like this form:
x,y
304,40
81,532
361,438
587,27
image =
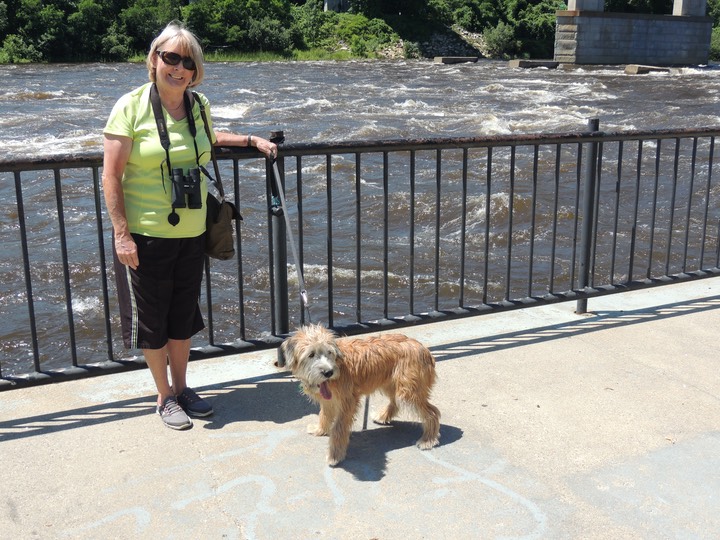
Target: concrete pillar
x,y
588,5
336,5
690,8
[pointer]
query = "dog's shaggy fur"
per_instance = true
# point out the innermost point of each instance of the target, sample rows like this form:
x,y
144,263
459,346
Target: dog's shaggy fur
x,y
337,372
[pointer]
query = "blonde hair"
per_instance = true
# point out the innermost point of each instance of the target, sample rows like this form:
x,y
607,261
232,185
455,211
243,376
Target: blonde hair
x,y
176,33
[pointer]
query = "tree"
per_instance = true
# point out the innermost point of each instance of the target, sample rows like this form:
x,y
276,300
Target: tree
x,y
4,22
242,24
500,40
116,45
202,14
144,19
87,27
61,30
16,50
43,28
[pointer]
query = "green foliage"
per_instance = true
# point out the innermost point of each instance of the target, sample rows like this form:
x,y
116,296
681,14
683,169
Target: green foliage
x,y
117,30
41,31
534,24
86,24
472,15
715,44
115,45
713,10
142,20
4,21
140,24
203,14
333,31
411,49
242,25
16,50
360,27
268,34
312,23
500,41
317,27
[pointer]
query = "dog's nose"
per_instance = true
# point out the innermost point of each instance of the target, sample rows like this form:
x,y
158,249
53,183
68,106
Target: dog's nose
x,y
327,374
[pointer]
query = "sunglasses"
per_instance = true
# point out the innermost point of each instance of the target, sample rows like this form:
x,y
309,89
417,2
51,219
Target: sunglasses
x,y
173,59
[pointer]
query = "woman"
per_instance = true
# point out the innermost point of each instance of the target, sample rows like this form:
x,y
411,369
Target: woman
x,y
158,241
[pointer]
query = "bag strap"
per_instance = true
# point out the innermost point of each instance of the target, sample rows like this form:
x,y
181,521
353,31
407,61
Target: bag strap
x,y
160,121
218,180
162,126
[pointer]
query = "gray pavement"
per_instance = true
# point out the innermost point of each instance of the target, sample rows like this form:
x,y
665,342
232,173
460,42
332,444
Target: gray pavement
x,y
554,425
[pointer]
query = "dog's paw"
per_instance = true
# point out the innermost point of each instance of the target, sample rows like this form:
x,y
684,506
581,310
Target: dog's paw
x,y
315,429
423,444
334,459
382,421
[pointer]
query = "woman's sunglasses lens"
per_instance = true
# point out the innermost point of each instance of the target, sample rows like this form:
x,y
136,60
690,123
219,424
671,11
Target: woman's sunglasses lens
x,y
173,59
170,58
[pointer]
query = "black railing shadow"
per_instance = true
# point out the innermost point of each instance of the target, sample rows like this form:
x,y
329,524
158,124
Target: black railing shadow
x,y
600,320
275,397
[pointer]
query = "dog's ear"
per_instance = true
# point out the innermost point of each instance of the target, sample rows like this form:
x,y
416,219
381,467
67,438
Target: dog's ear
x,y
285,354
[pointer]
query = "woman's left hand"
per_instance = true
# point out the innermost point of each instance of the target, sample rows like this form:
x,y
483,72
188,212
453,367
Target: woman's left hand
x,y
268,148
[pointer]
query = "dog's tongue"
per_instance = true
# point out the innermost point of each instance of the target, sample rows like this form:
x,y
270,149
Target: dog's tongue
x,y
325,390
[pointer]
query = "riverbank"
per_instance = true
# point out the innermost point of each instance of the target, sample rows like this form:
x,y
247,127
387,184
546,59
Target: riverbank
x,y
456,42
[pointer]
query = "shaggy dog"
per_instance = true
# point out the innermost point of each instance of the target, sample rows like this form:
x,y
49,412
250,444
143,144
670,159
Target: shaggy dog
x,y
337,372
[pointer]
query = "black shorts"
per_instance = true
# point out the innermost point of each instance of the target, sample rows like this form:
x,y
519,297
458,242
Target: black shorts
x,y
161,299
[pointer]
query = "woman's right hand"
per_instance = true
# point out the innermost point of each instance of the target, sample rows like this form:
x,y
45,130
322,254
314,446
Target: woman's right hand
x,y
126,250
116,153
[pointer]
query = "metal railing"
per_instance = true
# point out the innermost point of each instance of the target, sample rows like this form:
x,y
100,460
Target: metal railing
x,y
395,232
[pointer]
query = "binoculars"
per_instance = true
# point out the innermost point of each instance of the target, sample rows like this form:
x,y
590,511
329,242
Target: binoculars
x,y
186,186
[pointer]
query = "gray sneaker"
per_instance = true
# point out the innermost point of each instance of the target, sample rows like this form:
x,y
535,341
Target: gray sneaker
x,y
172,414
193,404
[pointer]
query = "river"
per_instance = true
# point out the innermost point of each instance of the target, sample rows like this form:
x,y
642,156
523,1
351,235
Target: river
x,y
61,109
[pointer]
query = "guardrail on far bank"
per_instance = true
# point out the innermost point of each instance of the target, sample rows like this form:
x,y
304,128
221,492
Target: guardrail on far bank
x,y
389,233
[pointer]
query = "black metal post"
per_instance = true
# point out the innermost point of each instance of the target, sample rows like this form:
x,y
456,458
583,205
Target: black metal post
x,y
279,244
588,216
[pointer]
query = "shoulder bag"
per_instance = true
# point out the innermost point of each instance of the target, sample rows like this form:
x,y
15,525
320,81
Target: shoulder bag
x,y
221,213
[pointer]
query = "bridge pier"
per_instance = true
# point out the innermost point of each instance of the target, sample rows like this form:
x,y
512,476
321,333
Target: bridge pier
x,y
689,8
585,34
586,5
336,5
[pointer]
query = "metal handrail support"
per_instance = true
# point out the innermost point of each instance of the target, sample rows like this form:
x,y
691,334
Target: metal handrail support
x,y
281,318
526,198
588,220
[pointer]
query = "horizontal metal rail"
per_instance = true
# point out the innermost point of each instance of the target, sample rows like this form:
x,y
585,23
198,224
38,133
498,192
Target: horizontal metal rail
x,y
389,233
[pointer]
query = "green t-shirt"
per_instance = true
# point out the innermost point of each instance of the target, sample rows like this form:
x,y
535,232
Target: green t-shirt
x,y
147,185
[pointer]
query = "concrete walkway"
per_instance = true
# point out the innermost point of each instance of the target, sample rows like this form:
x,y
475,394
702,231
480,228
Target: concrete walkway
x,y
553,426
